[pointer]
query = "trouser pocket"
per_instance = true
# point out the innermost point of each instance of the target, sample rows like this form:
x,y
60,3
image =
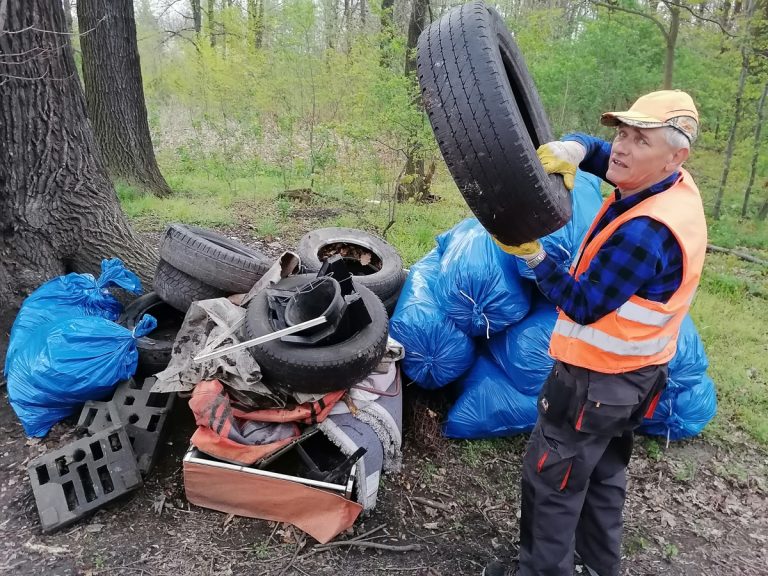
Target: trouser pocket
x,y
616,403
559,397
548,461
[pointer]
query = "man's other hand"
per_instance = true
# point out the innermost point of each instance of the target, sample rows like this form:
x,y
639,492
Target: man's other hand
x,y
562,158
524,251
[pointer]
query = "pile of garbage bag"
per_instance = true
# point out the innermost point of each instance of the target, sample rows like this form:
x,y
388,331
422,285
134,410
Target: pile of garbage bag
x,y
470,314
66,348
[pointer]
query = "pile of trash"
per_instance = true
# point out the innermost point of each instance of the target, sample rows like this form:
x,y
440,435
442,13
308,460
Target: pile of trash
x,y
471,316
287,366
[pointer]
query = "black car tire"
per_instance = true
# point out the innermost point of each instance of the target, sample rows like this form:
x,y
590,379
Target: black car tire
x,y
212,258
154,348
180,290
316,369
390,303
488,121
387,273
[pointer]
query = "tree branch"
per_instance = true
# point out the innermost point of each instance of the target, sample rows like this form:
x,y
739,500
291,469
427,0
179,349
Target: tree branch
x,y
699,16
174,34
636,13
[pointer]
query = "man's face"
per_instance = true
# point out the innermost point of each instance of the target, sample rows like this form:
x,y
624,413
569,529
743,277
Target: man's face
x,y
641,157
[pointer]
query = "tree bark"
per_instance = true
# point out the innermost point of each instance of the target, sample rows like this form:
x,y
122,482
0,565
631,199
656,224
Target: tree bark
x,y
255,22
671,38
115,95
416,24
387,30
755,150
58,209
197,16
764,210
732,135
68,15
210,22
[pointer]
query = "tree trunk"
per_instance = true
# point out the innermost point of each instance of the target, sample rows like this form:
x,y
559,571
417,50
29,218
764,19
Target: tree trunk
x,y
669,62
732,135
387,30
755,150
68,16
210,23
58,209
255,20
416,24
197,16
115,95
764,210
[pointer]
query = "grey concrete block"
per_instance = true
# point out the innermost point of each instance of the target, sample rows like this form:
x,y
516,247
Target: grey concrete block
x,y
84,475
143,413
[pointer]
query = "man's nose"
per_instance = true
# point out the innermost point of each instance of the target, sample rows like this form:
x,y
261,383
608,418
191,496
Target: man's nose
x,y
619,148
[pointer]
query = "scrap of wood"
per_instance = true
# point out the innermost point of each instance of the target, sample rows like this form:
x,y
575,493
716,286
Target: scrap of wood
x,y
366,544
432,503
742,255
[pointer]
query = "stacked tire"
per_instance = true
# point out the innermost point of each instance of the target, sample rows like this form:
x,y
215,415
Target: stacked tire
x,y
373,262
199,264
195,264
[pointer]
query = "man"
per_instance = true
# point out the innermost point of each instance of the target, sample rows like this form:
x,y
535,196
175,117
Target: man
x,y
621,307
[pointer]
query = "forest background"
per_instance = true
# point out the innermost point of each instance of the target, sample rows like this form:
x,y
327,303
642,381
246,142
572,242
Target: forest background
x,y
273,116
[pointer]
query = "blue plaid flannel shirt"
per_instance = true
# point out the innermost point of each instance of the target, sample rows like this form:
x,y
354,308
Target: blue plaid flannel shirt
x,y
641,257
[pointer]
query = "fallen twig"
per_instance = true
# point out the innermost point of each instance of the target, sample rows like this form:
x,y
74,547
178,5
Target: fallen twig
x,y
366,544
742,255
361,536
299,546
413,510
432,504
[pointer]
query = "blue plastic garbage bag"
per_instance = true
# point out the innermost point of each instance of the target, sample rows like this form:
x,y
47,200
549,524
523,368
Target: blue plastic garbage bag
x,y
683,412
72,296
489,405
436,351
690,360
478,285
67,362
563,244
522,351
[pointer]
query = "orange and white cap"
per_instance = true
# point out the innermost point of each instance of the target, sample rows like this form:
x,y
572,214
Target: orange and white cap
x,y
673,108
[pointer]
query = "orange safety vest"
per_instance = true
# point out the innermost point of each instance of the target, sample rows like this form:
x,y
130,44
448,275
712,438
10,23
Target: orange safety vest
x,y
640,332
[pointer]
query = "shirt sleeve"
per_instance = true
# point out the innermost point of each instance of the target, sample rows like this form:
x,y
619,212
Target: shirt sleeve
x,y
628,261
598,153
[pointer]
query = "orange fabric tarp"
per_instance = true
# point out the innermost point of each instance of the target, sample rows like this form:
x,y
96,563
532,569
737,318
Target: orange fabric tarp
x,y
320,513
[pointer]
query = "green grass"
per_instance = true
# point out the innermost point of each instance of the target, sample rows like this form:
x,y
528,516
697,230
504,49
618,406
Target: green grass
x,y
731,313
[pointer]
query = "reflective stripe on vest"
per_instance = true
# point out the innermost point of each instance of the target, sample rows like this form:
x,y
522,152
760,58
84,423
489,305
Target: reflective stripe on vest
x,y
641,315
608,343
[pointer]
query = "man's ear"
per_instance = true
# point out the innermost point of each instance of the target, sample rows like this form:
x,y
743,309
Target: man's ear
x,y
678,158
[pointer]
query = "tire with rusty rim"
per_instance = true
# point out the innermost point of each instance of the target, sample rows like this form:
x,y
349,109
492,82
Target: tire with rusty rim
x,y
374,262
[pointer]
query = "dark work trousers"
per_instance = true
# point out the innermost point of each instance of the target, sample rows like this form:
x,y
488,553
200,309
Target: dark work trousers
x,y
574,469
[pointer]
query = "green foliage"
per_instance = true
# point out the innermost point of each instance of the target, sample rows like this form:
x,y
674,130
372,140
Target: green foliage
x,y
328,107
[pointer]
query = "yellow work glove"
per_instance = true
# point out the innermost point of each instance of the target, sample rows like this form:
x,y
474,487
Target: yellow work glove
x,y
562,158
525,251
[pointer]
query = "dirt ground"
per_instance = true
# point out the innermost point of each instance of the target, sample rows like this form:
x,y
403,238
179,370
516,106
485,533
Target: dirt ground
x,y
695,508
